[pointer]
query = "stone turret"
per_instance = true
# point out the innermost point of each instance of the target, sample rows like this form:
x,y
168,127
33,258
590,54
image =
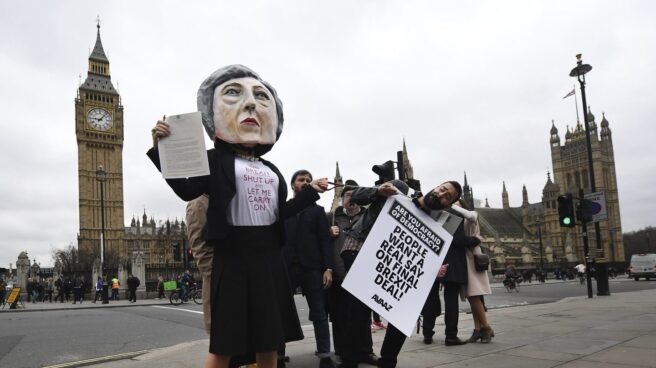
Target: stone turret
x,y
504,197
338,188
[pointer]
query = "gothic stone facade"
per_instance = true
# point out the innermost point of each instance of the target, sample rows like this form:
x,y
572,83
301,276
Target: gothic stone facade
x,y
513,234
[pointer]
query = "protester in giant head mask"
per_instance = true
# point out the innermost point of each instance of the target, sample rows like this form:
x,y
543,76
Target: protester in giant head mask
x,y
252,306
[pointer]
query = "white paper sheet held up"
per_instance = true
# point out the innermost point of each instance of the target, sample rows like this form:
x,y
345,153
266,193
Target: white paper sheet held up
x,y
182,154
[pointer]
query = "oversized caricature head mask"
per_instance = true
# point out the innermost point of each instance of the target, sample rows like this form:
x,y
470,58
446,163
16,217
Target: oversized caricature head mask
x,y
239,108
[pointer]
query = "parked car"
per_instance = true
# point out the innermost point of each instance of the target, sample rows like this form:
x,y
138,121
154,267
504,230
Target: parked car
x,y
643,265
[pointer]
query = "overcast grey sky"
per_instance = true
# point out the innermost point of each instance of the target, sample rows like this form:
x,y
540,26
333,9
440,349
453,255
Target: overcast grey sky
x,y
471,86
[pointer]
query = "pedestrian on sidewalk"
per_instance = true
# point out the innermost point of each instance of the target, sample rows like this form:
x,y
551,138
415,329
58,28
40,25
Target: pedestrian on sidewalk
x,y
31,290
68,288
3,290
78,290
59,285
41,290
478,283
99,289
49,288
160,288
133,284
115,285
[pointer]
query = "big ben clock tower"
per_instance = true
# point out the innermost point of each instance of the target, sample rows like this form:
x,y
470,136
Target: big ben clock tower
x,y
99,132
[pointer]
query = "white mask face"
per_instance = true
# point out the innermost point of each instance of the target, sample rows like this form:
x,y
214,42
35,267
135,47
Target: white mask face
x,y
245,112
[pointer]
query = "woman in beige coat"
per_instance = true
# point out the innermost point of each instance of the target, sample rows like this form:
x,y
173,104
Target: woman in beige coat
x,y
478,283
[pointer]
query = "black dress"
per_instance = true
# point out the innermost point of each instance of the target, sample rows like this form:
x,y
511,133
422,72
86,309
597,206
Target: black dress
x,y
252,305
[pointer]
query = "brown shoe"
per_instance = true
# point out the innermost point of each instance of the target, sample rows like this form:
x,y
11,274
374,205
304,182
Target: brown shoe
x,y
486,334
476,335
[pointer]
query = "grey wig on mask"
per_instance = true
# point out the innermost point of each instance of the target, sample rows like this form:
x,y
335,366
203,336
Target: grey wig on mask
x,y
205,98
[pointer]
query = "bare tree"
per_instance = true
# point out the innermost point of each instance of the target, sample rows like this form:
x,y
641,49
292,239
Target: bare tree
x,y
69,258
641,241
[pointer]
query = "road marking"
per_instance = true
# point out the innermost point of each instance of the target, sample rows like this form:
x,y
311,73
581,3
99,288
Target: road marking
x,y
108,358
178,309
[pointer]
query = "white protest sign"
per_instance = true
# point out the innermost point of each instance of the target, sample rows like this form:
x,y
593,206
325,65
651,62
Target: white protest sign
x,y
397,265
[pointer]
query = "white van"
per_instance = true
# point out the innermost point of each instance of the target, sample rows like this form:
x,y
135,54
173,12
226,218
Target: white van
x,y
643,265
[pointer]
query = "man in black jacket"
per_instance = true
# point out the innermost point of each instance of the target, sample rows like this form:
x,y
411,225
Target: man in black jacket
x,y
455,278
133,284
309,261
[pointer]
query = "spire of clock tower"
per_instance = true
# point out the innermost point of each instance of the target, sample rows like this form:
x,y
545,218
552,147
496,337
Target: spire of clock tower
x,y
99,77
98,53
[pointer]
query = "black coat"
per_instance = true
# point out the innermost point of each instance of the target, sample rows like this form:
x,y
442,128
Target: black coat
x,y
307,239
133,282
456,257
220,185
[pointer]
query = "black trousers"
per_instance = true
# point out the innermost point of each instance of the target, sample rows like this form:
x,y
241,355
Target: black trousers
x,y
338,310
336,302
391,348
357,331
451,311
60,295
394,339
133,294
431,310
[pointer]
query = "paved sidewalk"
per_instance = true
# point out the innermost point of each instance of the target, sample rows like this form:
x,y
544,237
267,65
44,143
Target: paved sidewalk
x,y
603,332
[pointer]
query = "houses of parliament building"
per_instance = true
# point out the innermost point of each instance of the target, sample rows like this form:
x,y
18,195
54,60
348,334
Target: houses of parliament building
x,y
511,235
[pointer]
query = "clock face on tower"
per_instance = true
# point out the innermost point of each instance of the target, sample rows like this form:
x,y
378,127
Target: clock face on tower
x,y
99,119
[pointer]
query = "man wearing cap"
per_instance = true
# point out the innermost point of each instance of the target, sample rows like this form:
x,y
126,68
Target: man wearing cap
x,y
341,221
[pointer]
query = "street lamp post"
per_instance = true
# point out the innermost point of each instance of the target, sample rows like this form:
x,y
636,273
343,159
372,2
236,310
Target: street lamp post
x,y
540,237
101,177
602,272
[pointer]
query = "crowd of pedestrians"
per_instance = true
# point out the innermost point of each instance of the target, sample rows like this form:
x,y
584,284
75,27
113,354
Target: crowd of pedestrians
x,y
71,289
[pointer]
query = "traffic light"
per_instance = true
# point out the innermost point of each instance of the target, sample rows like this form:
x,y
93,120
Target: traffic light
x,y
584,210
385,172
190,255
566,211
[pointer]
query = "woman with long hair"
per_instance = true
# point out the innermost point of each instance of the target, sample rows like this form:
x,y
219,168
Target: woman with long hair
x,y
478,283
